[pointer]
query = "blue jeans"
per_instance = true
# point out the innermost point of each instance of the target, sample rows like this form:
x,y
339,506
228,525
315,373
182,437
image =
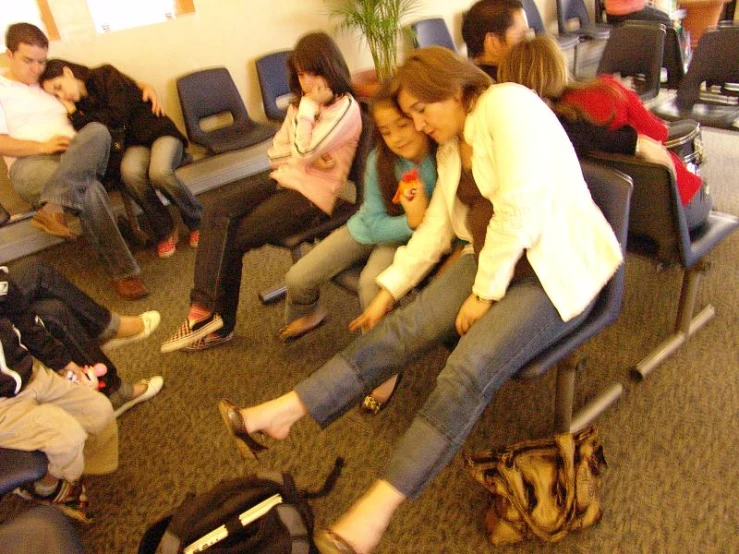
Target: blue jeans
x,y
72,180
40,529
516,328
328,258
241,219
69,315
146,170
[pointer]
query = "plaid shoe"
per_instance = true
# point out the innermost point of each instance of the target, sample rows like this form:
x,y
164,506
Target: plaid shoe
x,y
209,341
186,335
194,239
70,498
166,247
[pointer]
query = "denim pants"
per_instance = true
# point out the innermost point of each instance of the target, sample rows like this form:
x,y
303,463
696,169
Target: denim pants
x,y
146,170
328,258
242,219
72,180
516,328
69,315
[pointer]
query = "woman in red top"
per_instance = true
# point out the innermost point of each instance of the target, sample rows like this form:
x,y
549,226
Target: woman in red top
x,y
540,65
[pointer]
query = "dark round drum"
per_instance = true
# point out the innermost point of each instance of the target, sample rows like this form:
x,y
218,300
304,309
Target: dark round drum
x,y
686,140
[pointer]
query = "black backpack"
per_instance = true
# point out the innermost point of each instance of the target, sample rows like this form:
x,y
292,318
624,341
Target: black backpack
x,y
263,513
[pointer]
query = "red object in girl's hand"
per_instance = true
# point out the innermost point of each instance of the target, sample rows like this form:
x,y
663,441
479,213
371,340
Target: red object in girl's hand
x,y
408,186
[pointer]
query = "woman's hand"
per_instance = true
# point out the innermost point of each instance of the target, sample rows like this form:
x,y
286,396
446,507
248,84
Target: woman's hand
x,y
381,305
70,106
654,151
148,94
415,206
472,310
320,93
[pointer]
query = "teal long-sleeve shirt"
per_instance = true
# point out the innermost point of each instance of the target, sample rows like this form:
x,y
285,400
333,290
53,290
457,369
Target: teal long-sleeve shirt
x,y
372,224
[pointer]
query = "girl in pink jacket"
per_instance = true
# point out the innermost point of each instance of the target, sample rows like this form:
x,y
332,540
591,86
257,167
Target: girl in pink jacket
x,y
311,156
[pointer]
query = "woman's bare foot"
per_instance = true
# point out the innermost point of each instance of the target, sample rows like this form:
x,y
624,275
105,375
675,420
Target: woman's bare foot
x,y
275,417
366,521
133,328
130,325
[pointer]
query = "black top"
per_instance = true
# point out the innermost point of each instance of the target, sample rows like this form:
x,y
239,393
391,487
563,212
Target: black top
x,y
586,136
114,100
21,335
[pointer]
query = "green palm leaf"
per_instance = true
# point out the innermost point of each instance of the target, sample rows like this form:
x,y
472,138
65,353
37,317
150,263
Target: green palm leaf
x,y
378,23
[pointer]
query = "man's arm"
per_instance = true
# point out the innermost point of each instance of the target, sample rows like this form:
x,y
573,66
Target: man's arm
x,y
21,148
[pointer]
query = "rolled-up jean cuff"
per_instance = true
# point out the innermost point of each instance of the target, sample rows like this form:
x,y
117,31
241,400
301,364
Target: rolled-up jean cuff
x,y
61,200
418,457
331,391
111,329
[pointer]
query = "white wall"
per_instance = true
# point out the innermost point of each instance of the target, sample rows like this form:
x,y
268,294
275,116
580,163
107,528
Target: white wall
x,y
231,33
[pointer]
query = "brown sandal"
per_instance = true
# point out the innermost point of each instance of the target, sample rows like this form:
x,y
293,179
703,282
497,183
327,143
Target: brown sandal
x,y
247,446
328,542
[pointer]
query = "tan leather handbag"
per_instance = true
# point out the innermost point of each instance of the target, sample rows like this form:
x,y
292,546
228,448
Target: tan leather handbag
x,y
541,488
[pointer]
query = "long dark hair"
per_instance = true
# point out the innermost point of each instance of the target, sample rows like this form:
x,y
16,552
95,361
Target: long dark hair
x,y
317,53
387,97
55,68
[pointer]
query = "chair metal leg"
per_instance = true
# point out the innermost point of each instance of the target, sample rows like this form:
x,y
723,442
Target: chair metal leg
x,y
564,420
273,295
596,406
277,293
685,326
565,394
575,60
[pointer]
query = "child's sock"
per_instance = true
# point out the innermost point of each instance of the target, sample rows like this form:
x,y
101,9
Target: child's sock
x,y
198,313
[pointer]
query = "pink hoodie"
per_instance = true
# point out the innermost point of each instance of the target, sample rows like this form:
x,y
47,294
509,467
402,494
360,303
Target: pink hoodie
x,y
311,132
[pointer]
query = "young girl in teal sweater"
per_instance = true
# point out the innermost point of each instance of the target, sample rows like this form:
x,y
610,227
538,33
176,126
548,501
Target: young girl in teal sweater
x,y
403,157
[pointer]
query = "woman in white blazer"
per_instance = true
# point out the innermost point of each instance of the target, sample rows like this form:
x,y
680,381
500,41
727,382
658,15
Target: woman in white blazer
x,y
539,252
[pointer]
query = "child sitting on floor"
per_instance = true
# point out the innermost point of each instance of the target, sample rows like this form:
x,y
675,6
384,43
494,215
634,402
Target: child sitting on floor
x,y
40,410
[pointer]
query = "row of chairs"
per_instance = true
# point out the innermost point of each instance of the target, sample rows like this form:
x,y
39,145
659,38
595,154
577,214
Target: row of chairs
x,y
707,92
573,23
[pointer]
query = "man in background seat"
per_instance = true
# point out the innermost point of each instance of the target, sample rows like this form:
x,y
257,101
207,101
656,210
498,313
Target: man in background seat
x,y
53,167
491,28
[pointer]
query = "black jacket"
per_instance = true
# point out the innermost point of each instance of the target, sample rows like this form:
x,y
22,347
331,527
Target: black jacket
x,y
114,100
21,334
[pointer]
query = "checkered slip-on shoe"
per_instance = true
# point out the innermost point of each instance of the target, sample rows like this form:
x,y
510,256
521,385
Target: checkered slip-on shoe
x,y
214,339
186,335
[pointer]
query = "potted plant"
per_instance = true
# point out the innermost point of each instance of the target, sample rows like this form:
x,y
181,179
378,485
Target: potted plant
x,y
379,24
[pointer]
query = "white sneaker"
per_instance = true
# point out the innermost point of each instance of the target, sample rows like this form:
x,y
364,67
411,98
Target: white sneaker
x,y
153,386
151,321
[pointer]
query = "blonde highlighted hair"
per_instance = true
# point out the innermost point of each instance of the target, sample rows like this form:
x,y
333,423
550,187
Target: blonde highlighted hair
x,y
538,64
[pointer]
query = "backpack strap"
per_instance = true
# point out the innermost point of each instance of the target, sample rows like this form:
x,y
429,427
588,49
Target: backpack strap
x,y
153,536
329,483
